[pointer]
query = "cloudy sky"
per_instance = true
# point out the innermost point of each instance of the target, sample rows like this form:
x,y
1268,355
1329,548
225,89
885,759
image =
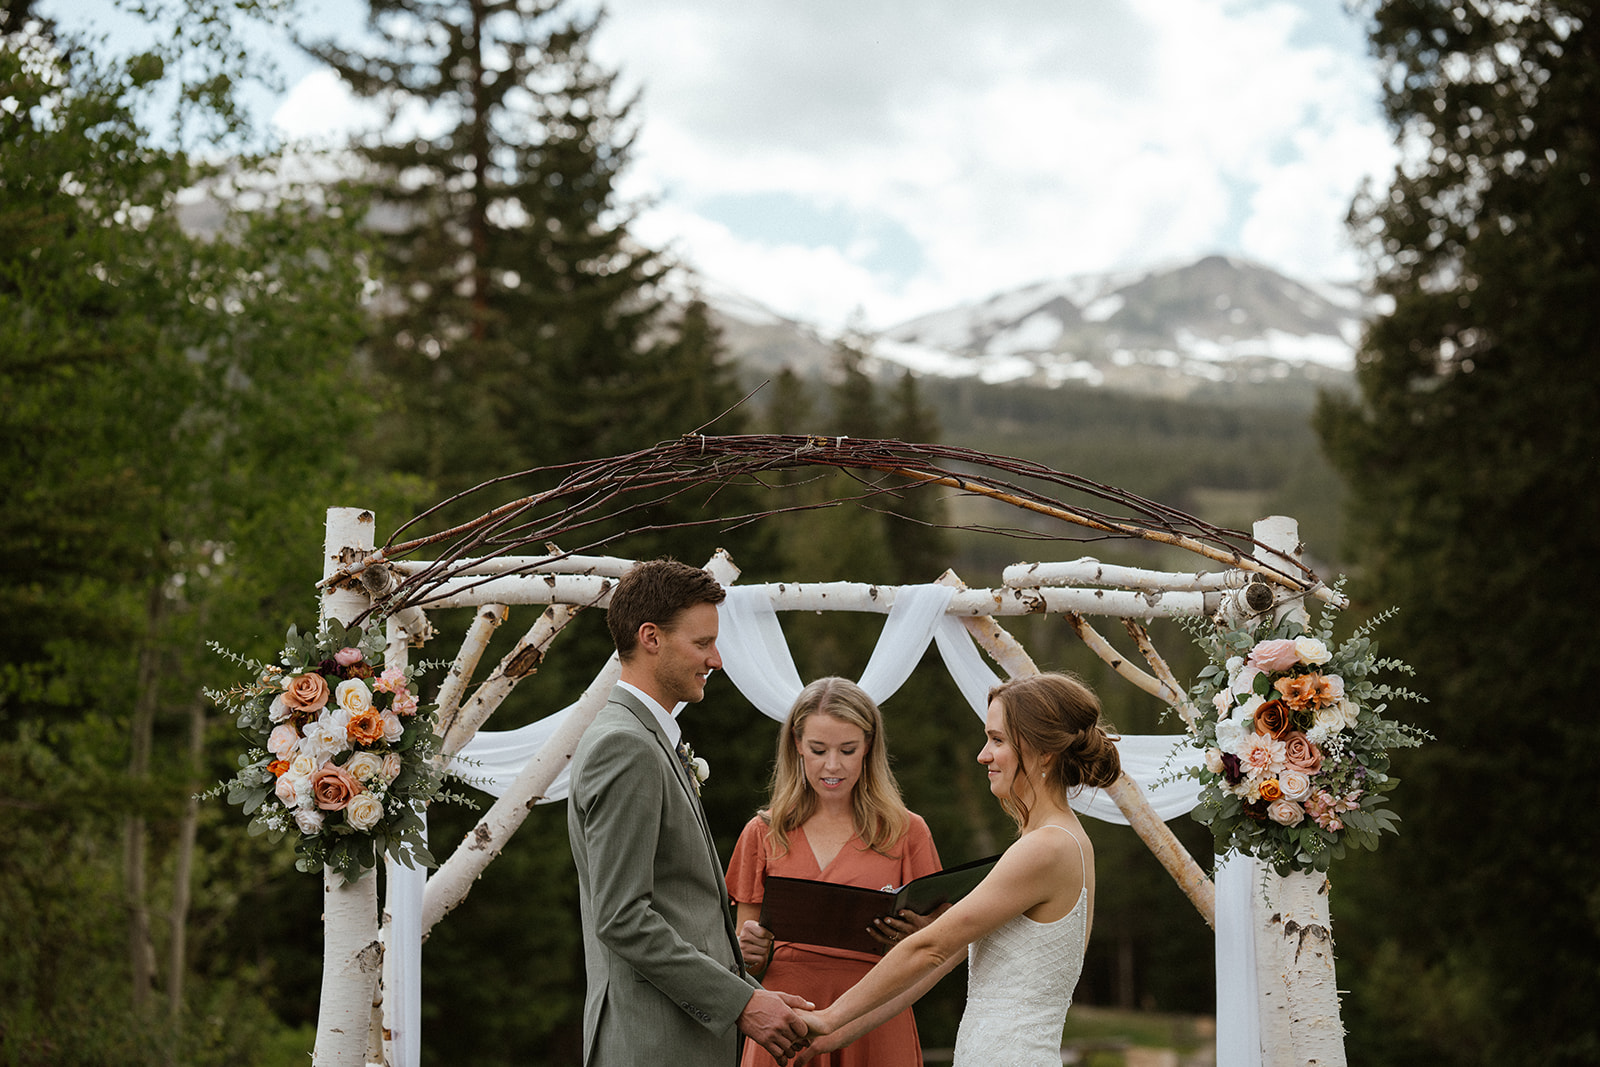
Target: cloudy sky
x,y
839,159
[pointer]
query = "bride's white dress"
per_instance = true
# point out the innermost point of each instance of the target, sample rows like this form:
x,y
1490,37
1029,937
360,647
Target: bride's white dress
x,y
1020,980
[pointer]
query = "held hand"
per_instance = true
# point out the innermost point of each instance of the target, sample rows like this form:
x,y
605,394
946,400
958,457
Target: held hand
x,y
771,1021
821,1040
755,945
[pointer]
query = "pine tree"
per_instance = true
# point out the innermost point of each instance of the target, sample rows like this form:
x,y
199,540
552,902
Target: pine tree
x,y
1470,456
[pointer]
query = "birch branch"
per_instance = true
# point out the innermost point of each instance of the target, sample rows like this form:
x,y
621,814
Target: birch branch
x,y
517,664
841,596
1114,659
1173,692
484,624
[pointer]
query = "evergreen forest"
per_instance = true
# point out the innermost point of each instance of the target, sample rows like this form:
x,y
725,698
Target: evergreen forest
x,y
179,404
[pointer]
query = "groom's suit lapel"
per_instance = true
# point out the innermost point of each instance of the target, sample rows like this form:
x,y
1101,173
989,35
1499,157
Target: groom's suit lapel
x,y
628,701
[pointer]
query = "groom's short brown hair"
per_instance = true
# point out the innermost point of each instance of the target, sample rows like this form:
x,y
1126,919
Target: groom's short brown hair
x,y
656,591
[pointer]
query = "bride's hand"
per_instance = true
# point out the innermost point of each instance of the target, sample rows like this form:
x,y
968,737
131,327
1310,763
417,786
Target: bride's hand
x,y
818,1033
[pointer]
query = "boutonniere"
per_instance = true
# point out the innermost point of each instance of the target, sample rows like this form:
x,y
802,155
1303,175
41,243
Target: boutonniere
x,y
696,768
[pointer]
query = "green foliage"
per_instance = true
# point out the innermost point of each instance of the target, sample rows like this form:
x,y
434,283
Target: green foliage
x,y
1469,457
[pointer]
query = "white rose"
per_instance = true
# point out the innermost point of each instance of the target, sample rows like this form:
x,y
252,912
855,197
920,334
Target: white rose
x,y
1231,734
1247,710
391,766
309,820
1296,785
1351,711
393,728
363,811
1244,682
353,696
303,765
701,769
1329,719
1214,760
324,739
365,766
1222,702
279,712
1312,651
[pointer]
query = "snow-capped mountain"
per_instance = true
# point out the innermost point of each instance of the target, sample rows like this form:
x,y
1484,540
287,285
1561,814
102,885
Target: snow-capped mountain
x,y
1165,329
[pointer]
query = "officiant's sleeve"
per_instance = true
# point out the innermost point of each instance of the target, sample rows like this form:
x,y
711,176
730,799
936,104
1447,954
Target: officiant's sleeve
x,y
747,870
918,855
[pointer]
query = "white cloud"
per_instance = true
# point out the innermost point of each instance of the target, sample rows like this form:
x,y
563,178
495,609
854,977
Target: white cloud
x,y
1012,142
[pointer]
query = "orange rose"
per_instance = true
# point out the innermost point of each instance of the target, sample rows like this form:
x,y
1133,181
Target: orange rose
x,y
1299,690
1273,719
306,692
332,787
366,727
1301,754
1271,790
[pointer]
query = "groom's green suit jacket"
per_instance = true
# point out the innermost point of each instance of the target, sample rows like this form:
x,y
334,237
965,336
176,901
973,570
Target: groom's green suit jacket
x,y
665,984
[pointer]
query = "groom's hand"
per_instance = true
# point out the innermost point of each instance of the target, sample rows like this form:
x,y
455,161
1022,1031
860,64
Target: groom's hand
x,y
770,1020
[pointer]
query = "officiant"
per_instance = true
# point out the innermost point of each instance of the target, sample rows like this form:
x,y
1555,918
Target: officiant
x,y
834,814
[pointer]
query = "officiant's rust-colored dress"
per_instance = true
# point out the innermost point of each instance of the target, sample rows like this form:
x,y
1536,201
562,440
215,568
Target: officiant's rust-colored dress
x,y
822,974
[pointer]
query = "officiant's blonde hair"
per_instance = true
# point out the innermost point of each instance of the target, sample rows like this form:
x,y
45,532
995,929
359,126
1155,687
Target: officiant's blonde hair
x,y
880,815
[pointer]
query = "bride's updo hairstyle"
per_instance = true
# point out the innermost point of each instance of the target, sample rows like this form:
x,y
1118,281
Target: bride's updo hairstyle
x,y
1057,716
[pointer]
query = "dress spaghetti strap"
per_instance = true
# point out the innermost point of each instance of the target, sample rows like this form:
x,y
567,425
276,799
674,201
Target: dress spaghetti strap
x,y
1082,859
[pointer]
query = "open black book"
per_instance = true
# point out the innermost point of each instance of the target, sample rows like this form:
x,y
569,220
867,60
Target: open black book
x,y
839,916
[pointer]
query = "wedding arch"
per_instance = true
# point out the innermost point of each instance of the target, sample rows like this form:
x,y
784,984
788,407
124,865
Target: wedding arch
x,y
1276,994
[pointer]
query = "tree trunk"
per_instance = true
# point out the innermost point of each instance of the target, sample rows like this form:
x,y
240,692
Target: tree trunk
x,y
141,955
177,964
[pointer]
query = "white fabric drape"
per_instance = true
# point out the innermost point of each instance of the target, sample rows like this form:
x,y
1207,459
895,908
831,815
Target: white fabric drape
x,y
756,658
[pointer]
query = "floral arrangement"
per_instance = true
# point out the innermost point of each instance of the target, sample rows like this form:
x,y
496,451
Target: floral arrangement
x,y
1296,741
340,751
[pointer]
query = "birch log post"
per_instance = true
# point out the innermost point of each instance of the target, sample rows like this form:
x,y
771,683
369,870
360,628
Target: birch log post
x,y
351,953
1299,996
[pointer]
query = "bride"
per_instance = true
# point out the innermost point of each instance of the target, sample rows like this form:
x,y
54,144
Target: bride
x,y
1027,923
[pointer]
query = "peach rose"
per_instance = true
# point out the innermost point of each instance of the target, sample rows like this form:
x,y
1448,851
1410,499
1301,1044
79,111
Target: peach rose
x,y
1300,754
282,741
332,787
365,727
391,766
306,692
1296,785
1273,718
287,789
1285,812
1271,656
1299,690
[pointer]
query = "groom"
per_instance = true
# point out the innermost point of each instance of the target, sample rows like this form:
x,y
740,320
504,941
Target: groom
x,y
665,980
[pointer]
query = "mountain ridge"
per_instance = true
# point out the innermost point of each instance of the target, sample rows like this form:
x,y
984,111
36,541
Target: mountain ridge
x,y
1168,330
